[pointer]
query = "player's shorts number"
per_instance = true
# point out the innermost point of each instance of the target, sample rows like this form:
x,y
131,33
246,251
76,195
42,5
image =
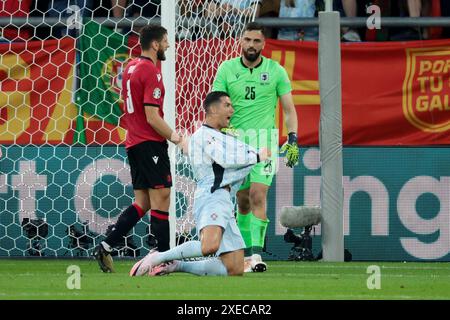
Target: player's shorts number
x,y
250,93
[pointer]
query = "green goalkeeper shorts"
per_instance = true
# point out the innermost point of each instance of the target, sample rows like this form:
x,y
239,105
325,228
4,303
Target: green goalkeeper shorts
x,y
262,172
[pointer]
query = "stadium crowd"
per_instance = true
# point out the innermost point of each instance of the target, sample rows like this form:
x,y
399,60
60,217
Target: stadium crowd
x,y
220,9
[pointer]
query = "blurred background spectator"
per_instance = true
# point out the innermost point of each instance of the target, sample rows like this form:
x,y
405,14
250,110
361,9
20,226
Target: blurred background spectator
x,y
298,9
222,15
350,10
227,14
445,12
68,11
385,11
409,8
193,10
414,9
15,8
222,8
270,9
135,8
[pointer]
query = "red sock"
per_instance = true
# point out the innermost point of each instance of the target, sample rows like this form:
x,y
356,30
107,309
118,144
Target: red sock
x,y
139,210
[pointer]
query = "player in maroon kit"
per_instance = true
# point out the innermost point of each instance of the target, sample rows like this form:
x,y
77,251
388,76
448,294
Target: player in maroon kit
x,y
146,144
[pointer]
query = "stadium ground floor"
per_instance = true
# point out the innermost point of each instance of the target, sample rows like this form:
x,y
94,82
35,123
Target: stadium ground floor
x,y
77,279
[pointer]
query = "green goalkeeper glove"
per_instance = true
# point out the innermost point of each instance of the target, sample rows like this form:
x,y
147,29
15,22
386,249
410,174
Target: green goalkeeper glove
x,y
230,131
292,150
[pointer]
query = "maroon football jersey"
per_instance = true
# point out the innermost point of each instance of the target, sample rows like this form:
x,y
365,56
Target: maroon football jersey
x,y
142,85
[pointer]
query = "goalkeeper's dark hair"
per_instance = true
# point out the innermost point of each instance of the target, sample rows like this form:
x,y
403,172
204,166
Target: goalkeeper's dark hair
x,y
213,97
255,26
151,33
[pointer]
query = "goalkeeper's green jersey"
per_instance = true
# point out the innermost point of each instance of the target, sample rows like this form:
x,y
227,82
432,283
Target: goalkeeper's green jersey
x,y
254,93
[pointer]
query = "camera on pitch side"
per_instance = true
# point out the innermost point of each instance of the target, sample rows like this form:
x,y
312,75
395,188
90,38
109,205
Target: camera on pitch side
x,y
36,230
80,238
302,249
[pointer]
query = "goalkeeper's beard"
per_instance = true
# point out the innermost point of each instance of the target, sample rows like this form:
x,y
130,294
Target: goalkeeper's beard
x,y
252,57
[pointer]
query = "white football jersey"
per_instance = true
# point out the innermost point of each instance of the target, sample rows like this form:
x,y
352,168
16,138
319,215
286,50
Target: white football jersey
x,y
219,160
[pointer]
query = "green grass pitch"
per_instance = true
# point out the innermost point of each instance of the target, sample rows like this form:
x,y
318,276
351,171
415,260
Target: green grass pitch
x,y
46,279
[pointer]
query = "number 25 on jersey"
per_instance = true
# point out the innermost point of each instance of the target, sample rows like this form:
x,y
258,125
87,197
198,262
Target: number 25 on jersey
x,y
250,93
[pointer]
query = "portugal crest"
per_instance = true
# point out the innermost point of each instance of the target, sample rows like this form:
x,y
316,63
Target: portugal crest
x,y
112,73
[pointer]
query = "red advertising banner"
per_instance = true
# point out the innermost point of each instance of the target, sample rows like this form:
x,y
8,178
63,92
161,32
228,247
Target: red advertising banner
x,y
393,93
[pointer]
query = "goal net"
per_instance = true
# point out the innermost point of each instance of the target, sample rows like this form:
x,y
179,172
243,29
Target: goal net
x,y
207,36
64,175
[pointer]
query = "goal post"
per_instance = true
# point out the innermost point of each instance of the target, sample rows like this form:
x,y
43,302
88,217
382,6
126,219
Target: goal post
x,y
204,40
168,21
331,192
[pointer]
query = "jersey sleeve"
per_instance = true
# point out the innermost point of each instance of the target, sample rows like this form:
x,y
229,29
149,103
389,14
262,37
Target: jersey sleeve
x,y
220,81
283,82
153,88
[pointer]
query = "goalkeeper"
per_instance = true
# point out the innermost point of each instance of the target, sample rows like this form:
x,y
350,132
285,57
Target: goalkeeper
x,y
255,83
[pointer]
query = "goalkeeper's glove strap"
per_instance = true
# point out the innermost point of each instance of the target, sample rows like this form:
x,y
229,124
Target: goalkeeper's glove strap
x,y
292,138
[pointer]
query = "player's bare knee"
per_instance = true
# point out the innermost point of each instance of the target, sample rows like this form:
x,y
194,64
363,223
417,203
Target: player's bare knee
x,y
244,207
160,199
145,206
243,202
209,248
257,198
236,270
164,202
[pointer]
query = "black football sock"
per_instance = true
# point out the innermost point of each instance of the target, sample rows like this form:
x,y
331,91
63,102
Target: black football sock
x,y
159,227
127,220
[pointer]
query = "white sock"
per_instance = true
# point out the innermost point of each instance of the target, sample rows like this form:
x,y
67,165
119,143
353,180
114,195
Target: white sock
x,y
208,267
189,249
